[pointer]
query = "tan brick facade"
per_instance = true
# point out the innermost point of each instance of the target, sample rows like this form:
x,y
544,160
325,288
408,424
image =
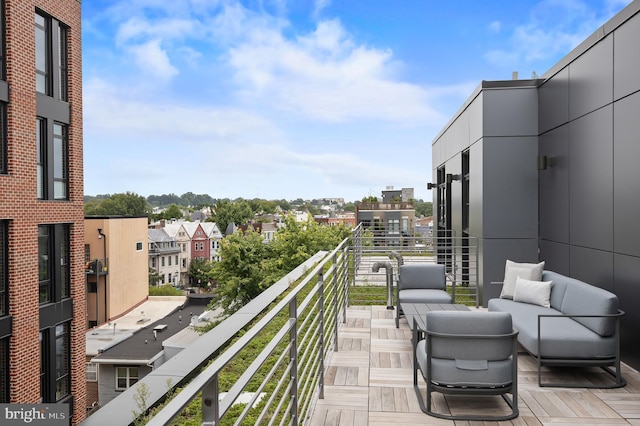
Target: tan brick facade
x,y
21,208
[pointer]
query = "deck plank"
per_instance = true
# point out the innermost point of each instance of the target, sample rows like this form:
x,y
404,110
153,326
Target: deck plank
x,y
369,381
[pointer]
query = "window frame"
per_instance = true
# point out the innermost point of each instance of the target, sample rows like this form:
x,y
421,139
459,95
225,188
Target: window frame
x,y
4,268
91,370
55,285
127,377
52,76
52,159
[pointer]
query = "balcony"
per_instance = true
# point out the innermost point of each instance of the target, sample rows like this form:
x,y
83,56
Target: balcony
x,y
97,267
330,357
385,206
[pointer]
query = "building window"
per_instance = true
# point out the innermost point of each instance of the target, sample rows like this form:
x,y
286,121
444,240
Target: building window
x,y
3,136
139,246
126,377
177,262
63,378
162,260
4,273
53,263
153,262
394,226
51,57
184,263
170,281
4,370
169,258
92,372
52,159
55,363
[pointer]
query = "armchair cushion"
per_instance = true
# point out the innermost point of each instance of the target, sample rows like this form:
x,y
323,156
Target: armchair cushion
x,y
424,296
468,348
422,276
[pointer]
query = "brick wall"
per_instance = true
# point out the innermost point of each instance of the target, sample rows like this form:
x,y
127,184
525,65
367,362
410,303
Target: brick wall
x,y
19,204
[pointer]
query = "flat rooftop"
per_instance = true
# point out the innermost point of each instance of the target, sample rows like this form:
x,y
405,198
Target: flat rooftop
x,y
369,381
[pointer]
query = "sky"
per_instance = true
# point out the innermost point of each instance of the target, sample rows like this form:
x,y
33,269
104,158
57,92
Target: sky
x,y
287,99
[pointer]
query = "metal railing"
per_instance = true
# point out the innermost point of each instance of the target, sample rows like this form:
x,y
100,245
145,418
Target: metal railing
x,y
304,325
458,252
292,328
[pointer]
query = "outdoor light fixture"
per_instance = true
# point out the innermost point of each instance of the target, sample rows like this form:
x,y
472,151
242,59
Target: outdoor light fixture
x,y
432,185
451,178
544,162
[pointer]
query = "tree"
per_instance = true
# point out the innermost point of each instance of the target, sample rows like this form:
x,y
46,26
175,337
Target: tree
x,y
126,204
199,272
297,241
154,277
424,209
370,199
241,273
226,212
173,212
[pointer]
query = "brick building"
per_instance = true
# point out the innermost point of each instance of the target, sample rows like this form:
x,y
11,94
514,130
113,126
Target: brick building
x,y
42,286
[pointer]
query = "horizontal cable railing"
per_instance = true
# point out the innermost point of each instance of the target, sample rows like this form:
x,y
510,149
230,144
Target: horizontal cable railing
x,y
458,252
280,384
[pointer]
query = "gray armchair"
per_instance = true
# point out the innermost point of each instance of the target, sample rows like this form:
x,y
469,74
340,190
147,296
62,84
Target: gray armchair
x,y
467,353
421,283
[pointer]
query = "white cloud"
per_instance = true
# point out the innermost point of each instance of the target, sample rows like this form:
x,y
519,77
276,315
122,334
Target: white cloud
x,y
326,76
150,56
554,27
495,26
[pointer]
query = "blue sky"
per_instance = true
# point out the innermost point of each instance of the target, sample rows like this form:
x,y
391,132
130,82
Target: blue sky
x,y
298,98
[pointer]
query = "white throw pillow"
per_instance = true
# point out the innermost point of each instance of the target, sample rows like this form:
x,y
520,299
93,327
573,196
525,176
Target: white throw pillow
x,y
533,292
513,270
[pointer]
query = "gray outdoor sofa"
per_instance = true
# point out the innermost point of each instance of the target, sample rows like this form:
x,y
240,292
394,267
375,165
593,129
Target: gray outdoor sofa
x,y
581,327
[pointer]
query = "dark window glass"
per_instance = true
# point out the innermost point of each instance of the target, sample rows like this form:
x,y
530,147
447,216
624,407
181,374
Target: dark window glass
x,y
4,276
53,262
3,137
51,40
44,266
52,160
41,156
42,54
60,166
63,382
63,71
4,371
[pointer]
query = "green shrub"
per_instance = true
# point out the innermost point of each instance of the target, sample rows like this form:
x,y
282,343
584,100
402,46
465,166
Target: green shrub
x,y
164,290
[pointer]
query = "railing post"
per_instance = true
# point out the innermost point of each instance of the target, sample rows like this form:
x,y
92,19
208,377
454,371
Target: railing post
x,y
321,331
293,354
211,403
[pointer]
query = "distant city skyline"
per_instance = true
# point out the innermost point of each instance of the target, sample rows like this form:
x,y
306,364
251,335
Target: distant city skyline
x,y
280,99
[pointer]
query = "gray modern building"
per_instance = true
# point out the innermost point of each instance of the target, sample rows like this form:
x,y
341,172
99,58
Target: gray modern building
x,y
548,169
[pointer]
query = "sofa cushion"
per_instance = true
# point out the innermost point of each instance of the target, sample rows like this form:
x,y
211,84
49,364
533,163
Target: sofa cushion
x,y
561,337
558,289
585,299
534,292
513,270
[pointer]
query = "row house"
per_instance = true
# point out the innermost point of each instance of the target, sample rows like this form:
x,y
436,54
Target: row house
x,y
164,256
194,240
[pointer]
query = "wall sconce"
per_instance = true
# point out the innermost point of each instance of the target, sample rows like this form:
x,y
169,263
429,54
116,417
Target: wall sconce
x,y
432,185
544,162
452,177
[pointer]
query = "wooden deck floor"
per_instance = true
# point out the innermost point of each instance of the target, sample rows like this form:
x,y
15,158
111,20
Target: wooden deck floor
x,y
369,382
